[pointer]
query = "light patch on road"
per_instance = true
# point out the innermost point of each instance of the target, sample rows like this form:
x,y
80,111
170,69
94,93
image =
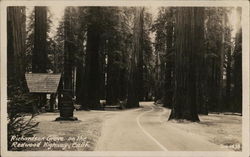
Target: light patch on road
x,y
145,132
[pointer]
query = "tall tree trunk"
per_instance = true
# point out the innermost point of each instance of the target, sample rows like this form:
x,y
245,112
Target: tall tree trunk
x,y
80,62
200,61
238,75
113,90
103,67
228,99
91,92
237,69
168,94
123,78
69,49
39,54
228,76
52,101
187,23
157,91
133,83
79,82
16,36
141,62
222,60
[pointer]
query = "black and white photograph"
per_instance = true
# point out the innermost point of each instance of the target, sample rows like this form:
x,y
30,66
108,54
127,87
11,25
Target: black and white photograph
x,y
81,79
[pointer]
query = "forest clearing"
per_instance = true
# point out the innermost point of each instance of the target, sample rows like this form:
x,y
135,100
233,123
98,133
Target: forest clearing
x,y
119,131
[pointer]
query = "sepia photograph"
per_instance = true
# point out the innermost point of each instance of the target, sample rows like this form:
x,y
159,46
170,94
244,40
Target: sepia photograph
x,y
125,78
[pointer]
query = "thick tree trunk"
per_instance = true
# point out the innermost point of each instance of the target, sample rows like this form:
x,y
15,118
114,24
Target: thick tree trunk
x,y
237,69
16,23
123,79
157,89
238,75
79,82
184,106
200,62
113,90
69,49
133,83
80,62
91,92
168,94
222,60
140,63
228,99
39,54
103,67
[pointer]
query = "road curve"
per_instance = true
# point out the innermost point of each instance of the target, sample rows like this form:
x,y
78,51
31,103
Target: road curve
x,y
144,129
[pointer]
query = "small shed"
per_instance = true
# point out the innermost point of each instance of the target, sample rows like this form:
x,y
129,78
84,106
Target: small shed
x,y
43,83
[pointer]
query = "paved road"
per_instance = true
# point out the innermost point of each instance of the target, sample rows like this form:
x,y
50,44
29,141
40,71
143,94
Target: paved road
x,y
145,129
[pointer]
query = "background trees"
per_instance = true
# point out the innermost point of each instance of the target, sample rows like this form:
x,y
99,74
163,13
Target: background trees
x,y
164,51
214,63
114,50
123,55
237,66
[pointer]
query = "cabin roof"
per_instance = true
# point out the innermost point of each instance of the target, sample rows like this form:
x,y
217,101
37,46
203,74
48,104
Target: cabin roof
x,y
42,82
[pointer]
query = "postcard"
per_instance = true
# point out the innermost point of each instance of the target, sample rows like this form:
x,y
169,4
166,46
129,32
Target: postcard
x,y
124,78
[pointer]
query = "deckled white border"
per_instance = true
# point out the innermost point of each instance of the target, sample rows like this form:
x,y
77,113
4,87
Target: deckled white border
x,y
245,71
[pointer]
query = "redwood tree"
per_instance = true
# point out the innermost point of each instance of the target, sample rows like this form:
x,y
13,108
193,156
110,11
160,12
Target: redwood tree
x,y
169,64
188,24
134,75
92,75
39,54
16,20
237,68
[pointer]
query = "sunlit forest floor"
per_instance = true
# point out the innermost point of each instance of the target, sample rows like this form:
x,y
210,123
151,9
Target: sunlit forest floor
x,y
223,130
219,130
87,127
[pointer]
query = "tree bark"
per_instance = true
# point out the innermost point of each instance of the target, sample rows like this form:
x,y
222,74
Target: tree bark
x,y
69,49
133,83
237,69
91,92
222,60
113,74
79,82
228,99
168,94
16,23
39,55
184,106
